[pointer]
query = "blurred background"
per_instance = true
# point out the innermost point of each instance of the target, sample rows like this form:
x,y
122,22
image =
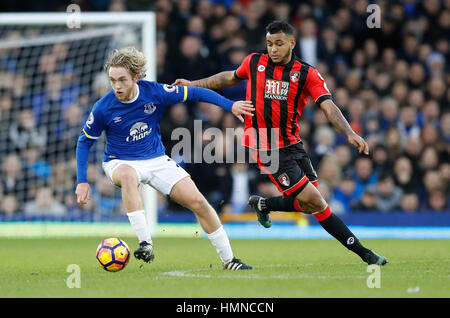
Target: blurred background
x,y
391,83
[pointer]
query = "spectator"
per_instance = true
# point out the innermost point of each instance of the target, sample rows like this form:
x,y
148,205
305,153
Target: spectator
x,y
432,181
337,206
429,159
345,192
44,204
34,164
310,46
389,112
408,124
106,198
388,195
9,205
430,113
394,142
324,138
191,64
366,202
380,158
24,131
68,132
364,175
344,158
177,117
410,202
330,171
404,175
13,179
437,201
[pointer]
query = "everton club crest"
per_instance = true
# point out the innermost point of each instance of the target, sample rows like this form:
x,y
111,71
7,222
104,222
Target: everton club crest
x,y
149,108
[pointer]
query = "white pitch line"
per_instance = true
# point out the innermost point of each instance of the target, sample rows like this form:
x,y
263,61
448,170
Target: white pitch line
x,y
197,273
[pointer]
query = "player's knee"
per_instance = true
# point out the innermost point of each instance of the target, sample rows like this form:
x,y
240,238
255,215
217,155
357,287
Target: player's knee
x,y
198,203
313,203
125,176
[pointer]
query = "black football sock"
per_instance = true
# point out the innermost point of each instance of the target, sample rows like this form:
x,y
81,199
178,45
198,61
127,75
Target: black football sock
x,y
278,204
337,228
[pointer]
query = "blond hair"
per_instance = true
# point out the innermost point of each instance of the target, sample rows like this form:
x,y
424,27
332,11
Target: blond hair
x,y
129,58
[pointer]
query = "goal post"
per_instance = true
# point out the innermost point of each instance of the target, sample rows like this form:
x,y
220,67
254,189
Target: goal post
x,y
91,26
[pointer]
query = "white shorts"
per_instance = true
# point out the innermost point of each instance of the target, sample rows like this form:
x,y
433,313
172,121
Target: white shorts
x,y
162,173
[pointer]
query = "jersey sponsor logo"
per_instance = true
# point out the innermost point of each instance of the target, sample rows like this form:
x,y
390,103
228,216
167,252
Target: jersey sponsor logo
x,y
261,68
117,119
276,89
90,120
284,180
149,108
138,131
170,88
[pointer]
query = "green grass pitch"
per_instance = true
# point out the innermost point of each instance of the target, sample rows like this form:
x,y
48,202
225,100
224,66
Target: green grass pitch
x,y
190,268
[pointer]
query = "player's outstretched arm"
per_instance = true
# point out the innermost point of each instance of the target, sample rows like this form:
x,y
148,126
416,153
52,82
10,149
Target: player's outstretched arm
x,y
83,190
217,81
334,115
238,108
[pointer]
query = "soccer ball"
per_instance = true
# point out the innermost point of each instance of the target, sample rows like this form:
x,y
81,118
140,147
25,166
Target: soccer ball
x,y
113,254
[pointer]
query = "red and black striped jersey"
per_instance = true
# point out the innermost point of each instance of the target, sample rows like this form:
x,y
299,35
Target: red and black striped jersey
x,y
279,94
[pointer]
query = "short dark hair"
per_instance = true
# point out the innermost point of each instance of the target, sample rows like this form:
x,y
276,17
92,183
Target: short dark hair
x,y
280,26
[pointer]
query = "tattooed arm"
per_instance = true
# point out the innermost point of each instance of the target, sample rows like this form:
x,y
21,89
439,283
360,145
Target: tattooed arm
x,y
334,116
215,82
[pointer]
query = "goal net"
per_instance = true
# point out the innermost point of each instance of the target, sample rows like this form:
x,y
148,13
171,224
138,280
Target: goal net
x,y
51,74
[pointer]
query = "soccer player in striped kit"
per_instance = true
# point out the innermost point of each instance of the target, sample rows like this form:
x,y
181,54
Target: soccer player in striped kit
x,y
279,85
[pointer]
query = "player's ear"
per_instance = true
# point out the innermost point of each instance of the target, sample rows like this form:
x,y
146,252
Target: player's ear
x,y
293,42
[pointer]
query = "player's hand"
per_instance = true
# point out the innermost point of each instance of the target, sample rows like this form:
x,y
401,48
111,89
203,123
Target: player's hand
x,y
243,107
182,82
359,143
83,192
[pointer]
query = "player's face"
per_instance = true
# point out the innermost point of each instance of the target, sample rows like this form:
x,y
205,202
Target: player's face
x,y
122,83
279,47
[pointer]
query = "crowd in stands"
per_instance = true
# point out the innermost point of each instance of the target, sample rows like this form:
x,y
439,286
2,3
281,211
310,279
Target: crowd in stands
x,y
392,83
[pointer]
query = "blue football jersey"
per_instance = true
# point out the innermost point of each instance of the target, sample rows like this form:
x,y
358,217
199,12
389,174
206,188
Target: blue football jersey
x,y
133,128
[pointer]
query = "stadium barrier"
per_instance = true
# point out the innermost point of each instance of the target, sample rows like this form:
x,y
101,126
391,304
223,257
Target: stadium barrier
x,y
399,225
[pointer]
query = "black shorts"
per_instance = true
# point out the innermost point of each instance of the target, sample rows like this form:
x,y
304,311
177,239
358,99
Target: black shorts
x,y
294,170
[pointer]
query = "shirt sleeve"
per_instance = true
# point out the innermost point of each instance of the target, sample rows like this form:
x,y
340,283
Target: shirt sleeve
x,y
209,96
243,71
316,86
171,94
94,125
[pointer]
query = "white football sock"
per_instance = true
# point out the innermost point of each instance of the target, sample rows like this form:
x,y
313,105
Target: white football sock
x,y
219,240
139,225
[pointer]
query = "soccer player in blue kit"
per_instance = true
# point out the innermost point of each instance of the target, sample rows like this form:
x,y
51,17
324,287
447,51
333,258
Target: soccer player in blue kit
x,y
130,115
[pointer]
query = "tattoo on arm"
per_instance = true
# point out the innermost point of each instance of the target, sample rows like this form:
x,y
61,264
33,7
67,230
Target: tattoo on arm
x,y
334,115
217,81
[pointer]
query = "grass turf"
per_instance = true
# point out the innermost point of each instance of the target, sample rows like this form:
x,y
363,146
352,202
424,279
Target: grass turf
x,y
190,268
